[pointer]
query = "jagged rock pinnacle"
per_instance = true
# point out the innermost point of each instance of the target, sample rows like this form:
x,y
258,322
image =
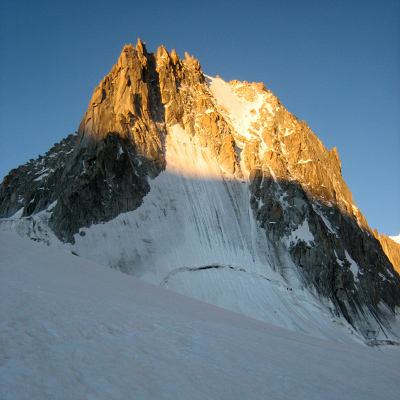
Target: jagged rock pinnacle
x,y
282,187
140,47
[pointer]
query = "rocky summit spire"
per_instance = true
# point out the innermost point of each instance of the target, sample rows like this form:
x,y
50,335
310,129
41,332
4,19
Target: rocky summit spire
x,y
173,172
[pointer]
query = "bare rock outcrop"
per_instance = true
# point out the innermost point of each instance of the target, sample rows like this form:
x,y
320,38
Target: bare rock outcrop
x,y
391,249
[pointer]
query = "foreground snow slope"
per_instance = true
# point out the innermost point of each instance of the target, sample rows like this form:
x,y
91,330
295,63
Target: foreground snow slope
x,y
73,329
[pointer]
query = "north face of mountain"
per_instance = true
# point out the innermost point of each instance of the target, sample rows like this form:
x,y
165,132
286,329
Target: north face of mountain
x,y
208,188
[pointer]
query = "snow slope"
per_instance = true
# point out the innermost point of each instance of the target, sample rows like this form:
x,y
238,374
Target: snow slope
x,y
195,234
73,329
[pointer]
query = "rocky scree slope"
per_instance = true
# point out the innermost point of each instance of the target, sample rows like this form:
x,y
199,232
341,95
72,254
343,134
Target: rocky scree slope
x,y
296,193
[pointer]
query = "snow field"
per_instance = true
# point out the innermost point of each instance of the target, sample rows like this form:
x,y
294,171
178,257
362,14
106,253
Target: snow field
x,y
70,329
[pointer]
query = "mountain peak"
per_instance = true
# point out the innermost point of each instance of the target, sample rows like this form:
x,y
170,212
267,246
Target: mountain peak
x,y
162,52
140,46
174,174
128,48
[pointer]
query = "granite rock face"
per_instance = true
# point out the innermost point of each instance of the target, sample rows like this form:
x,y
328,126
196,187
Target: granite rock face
x,y
341,261
32,187
297,194
391,249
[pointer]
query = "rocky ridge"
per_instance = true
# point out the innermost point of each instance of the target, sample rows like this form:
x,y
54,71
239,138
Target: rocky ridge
x,y
295,184
391,249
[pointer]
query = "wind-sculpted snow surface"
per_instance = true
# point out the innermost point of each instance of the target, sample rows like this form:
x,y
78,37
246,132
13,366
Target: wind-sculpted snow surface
x,y
73,329
213,190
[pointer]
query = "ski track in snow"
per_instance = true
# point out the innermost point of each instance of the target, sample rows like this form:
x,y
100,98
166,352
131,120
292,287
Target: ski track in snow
x,y
73,329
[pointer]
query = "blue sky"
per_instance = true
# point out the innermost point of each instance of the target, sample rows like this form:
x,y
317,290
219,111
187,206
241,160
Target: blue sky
x,y
335,65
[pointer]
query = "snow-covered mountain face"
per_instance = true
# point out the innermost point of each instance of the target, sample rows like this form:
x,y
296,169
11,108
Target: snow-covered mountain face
x,y
213,190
